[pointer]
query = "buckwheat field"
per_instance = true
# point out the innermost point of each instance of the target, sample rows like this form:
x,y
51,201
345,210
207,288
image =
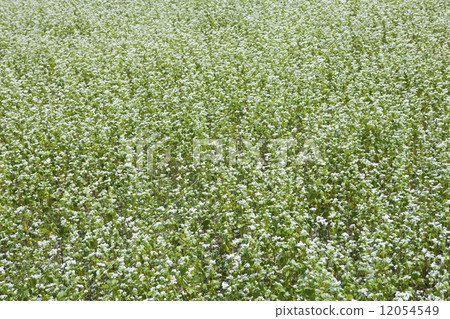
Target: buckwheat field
x,y
224,150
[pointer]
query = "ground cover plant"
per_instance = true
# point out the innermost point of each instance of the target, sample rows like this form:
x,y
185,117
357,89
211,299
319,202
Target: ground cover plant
x,y
105,195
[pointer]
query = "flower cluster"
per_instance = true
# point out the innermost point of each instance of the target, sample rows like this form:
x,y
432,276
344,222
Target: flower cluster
x,y
366,80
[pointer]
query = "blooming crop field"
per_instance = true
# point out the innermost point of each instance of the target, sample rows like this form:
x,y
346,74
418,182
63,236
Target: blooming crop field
x,y
224,150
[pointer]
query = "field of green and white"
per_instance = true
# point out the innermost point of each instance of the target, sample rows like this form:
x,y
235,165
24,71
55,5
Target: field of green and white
x,y
224,150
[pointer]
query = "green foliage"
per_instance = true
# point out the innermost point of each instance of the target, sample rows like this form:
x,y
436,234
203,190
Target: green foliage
x,y
367,81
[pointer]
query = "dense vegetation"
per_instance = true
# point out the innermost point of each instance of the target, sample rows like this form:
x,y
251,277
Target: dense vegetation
x,y
365,216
